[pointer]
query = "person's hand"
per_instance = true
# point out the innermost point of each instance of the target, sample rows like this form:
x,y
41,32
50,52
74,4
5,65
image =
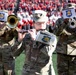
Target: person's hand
x,y
32,33
18,29
21,36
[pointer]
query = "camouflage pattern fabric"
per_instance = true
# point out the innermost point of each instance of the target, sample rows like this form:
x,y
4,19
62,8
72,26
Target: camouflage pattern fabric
x,y
66,43
7,61
38,57
66,49
66,64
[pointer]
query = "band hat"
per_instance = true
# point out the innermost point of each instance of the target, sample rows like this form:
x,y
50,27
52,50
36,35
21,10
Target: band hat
x,y
40,16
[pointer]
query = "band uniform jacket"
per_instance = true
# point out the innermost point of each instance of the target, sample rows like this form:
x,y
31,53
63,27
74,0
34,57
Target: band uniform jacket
x,y
38,57
66,40
7,40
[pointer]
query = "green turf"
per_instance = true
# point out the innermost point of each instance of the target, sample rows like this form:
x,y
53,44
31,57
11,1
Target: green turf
x,y
55,63
20,62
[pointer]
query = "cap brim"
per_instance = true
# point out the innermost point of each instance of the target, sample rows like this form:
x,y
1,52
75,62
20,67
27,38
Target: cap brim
x,y
43,19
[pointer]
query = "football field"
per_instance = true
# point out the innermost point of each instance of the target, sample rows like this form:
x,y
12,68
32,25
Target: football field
x,y
20,62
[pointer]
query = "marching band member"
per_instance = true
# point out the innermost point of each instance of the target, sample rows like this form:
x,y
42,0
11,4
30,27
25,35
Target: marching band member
x,y
38,44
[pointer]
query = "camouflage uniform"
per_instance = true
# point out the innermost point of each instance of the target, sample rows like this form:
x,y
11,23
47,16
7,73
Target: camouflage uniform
x,y
66,48
38,57
7,40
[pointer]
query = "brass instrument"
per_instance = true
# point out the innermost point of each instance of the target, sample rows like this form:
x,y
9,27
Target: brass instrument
x,y
71,26
12,21
72,23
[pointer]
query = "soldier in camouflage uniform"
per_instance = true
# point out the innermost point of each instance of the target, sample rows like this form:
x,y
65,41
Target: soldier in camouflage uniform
x,y
38,55
66,47
7,40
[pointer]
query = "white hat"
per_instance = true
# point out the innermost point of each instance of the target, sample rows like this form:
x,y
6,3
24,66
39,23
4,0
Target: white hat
x,y
40,16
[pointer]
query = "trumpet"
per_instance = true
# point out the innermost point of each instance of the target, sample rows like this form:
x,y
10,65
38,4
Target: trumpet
x,y
72,23
12,21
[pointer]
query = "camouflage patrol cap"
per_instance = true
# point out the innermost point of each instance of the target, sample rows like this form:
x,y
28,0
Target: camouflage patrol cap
x,y
71,5
40,16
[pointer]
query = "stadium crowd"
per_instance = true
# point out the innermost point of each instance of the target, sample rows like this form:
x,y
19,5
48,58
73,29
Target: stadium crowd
x,y
53,8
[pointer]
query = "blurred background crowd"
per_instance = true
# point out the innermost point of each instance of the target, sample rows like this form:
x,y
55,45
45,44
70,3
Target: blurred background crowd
x,y
52,7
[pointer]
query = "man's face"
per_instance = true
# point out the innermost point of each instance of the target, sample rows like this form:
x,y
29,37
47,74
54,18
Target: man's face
x,y
40,25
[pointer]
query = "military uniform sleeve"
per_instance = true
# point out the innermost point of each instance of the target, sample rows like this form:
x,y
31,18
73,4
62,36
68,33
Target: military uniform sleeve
x,y
58,26
17,48
52,47
20,46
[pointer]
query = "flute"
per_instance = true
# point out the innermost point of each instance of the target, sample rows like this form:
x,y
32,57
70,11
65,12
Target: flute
x,y
24,31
